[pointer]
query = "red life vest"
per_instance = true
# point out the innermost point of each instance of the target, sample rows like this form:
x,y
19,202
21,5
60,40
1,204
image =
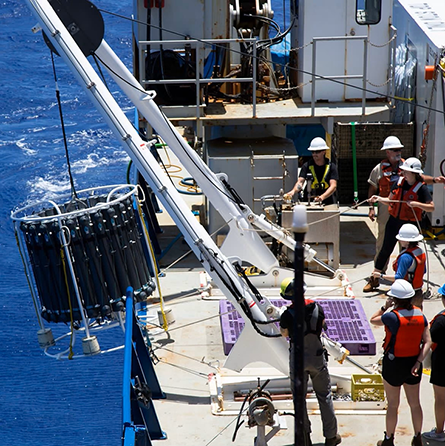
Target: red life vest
x,y
406,342
401,210
416,271
434,344
385,183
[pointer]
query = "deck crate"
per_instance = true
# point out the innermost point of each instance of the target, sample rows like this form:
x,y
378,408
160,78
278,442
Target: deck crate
x,y
367,387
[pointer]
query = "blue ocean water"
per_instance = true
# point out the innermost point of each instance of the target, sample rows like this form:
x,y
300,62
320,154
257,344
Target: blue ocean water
x,y
45,402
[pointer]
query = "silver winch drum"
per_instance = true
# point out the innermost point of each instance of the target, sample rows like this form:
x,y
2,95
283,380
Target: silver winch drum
x,y
85,252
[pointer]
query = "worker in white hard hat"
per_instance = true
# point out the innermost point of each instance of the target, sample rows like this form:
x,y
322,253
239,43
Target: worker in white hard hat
x,y
407,341
381,180
410,263
323,173
408,199
315,362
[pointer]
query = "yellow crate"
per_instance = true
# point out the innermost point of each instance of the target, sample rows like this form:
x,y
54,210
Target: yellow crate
x,y
367,388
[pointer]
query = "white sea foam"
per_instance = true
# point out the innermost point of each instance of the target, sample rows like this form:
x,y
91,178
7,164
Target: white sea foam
x,y
21,144
94,160
48,188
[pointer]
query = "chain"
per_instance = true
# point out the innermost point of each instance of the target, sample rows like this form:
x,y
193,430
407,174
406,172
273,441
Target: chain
x,y
381,85
301,47
387,43
281,89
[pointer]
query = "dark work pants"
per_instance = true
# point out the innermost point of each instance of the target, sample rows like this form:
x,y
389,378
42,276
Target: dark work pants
x,y
315,367
389,242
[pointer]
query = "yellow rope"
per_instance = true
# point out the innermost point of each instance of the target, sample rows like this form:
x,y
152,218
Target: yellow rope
x,y
62,256
164,318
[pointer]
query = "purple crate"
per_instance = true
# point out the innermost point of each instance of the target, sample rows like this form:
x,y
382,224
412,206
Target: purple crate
x,y
345,319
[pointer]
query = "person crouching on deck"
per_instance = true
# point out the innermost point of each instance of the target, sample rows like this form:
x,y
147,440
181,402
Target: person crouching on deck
x,y
410,264
407,341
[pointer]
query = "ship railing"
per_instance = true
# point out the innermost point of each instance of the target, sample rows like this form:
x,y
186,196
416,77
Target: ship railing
x,y
200,46
363,76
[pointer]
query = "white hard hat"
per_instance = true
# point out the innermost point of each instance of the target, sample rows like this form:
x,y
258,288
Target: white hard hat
x,y
409,233
412,165
401,289
392,142
318,144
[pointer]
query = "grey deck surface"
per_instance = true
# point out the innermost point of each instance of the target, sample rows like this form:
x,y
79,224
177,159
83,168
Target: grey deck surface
x,y
193,350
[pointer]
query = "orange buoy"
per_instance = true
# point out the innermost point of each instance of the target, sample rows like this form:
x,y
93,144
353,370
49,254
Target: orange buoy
x,y
430,72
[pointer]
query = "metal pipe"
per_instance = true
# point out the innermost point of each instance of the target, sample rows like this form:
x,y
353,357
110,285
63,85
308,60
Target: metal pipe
x,y
365,74
314,66
254,71
299,226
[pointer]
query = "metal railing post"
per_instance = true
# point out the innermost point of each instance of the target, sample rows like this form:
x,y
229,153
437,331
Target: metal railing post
x,y
254,81
198,84
314,67
365,76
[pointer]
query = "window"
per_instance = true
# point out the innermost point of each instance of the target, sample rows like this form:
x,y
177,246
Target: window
x,y
368,12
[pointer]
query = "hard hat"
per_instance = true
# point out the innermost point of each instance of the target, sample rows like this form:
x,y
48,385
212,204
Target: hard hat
x,y
318,144
412,165
441,290
401,289
287,288
409,233
392,142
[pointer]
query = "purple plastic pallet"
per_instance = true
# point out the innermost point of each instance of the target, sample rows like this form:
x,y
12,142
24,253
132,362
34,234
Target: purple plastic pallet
x,y
345,319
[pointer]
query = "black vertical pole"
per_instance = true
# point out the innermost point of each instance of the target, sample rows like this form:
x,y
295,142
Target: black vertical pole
x,y
299,226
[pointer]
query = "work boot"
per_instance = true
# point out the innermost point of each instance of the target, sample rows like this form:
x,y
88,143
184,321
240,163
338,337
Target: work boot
x,y
386,441
417,440
373,284
333,441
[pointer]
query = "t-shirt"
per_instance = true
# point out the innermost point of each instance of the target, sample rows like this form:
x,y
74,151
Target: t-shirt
x,y
287,318
438,335
319,172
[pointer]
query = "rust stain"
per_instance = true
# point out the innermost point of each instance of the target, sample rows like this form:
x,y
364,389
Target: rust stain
x,y
347,434
403,430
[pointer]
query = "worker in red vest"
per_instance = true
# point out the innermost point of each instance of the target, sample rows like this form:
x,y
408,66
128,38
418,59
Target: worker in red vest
x,y
406,202
407,341
437,379
411,262
315,364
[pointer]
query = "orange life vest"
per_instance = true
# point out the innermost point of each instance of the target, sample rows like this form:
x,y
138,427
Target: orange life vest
x,y
416,271
406,342
434,344
401,210
385,183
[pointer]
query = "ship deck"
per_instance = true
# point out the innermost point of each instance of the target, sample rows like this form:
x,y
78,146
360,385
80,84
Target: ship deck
x,y
191,353
289,111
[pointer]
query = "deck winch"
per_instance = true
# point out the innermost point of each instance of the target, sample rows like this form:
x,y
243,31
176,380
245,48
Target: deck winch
x,y
84,254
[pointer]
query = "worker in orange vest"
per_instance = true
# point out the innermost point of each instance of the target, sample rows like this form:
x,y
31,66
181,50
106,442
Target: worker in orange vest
x,y
406,202
407,341
381,180
410,263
